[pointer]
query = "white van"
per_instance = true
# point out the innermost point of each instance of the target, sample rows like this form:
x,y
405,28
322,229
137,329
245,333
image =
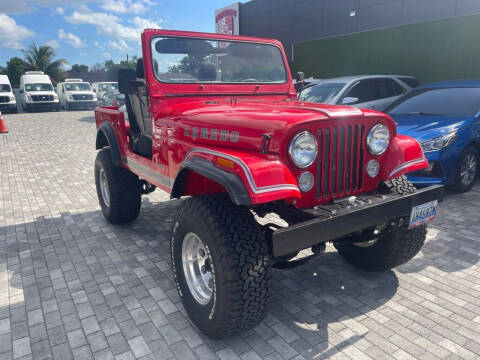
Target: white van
x,y
100,88
36,92
7,98
75,94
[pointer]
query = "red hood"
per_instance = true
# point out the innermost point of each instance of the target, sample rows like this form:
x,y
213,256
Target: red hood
x,y
253,119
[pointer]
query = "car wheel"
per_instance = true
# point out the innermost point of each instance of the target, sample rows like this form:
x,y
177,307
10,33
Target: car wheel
x,y
467,170
393,245
118,190
221,265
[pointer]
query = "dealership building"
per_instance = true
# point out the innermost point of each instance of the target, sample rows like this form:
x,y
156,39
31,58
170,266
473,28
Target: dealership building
x,y
431,39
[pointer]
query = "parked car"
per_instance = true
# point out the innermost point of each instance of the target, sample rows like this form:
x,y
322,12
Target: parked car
x,y
36,92
76,94
7,98
100,88
445,119
368,91
113,98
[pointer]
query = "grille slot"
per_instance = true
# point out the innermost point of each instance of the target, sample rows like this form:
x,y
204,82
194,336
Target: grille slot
x,y
42,97
82,97
340,161
4,99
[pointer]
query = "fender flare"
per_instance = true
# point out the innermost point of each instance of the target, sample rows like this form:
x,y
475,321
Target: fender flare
x,y
106,130
231,182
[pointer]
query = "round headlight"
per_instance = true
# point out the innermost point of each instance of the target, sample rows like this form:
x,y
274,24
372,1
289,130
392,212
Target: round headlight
x,y
378,139
305,181
303,149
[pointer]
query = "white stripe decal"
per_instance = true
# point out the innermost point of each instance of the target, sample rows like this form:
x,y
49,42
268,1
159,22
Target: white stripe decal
x,y
406,164
255,189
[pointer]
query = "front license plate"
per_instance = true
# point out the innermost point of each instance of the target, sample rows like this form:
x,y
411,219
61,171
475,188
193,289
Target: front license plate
x,y
422,214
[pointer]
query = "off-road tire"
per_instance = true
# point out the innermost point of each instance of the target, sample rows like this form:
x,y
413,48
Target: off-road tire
x,y
394,246
459,186
241,262
124,188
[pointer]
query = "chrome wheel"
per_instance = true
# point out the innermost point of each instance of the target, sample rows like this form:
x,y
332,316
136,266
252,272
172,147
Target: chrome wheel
x,y
197,267
468,169
105,191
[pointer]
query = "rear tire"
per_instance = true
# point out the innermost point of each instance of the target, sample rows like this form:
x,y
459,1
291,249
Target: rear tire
x,y
392,247
118,190
239,265
467,170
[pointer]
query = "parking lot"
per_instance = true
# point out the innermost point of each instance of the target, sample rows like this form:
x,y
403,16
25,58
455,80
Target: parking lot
x,y
74,286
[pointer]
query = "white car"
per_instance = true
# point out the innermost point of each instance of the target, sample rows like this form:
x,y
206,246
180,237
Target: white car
x,y
100,88
76,94
36,92
366,91
7,98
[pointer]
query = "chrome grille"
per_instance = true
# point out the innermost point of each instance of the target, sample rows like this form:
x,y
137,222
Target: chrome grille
x,y
340,161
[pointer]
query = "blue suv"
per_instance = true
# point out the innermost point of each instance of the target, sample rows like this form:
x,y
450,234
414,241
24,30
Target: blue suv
x,y
445,118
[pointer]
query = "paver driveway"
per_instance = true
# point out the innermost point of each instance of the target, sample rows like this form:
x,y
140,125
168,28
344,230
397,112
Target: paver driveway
x,y
73,286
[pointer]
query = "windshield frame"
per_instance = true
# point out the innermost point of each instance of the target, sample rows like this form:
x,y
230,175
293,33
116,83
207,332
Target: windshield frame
x,y
153,38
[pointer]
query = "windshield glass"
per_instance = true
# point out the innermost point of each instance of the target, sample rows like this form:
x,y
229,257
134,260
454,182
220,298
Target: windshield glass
x,y
38,87
321,93
439,101
184,60
77,87
111,86
5,88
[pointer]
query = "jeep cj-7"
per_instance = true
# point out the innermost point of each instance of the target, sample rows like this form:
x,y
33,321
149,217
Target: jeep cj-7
x,y
215,118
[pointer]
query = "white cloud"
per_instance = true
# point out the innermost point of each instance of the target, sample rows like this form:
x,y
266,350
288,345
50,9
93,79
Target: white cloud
x,y
12,34
71,39
119,45
110,25
59,10
53,43
126,6
25,6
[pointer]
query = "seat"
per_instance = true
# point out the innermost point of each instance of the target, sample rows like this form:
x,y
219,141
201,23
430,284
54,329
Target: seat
x,y
136,103
207,72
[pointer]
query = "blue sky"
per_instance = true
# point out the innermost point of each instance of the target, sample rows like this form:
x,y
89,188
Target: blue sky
x,y
92,31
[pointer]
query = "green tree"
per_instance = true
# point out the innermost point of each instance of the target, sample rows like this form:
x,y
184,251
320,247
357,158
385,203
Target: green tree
x,y
42,58
15,68
79,68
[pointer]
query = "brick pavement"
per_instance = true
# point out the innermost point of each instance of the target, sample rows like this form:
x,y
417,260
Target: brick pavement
x,y
73,286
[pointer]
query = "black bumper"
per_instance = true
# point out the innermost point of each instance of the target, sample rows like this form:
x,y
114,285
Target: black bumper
x,y
82,104
8,107
42,106
337,220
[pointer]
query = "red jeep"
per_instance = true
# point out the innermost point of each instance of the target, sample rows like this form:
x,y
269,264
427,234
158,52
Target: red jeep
x,y
215,118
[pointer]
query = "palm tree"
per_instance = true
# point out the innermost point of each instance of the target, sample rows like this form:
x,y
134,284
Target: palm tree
x,y
42,58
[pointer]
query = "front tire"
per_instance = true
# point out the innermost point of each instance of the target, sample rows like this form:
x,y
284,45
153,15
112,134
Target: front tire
x,y
392,247
234,288
118,190
467,170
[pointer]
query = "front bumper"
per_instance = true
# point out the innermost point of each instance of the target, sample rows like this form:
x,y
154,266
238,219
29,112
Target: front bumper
x,y
82,104
8,107
42,105
334,221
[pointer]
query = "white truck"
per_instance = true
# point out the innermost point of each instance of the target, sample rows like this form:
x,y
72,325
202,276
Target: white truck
x,y
100,88
36,92
7,98
76,94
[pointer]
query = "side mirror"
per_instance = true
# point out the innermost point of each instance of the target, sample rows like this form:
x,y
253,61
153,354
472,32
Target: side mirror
x,y
349,100
300,77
